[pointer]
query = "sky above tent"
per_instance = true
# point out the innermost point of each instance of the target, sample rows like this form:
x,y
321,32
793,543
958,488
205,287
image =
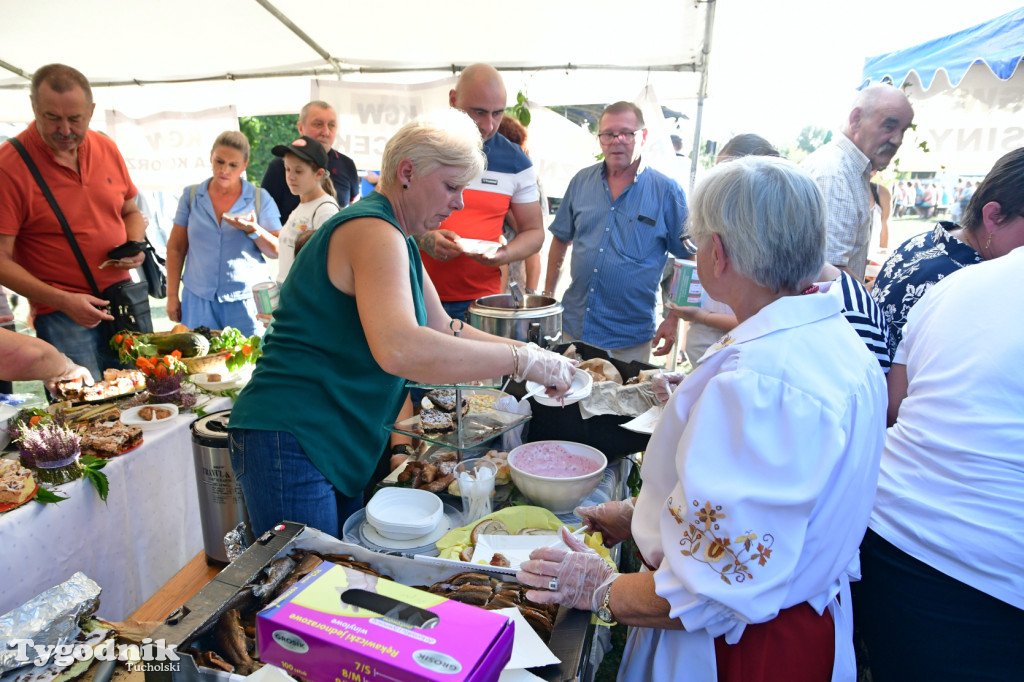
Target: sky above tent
x,y
778,66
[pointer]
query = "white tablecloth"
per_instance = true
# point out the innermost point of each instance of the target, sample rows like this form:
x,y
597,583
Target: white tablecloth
x,y
147,530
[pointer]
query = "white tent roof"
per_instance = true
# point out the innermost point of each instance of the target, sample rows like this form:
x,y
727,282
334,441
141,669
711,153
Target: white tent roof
x,y
260,55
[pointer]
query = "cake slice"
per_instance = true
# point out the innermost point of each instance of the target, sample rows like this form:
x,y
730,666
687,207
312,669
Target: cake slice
x,y
16,482
444,399
436,421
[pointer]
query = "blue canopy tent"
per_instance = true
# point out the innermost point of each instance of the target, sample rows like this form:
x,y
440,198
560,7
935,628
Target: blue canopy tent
x,y
968,94
998,43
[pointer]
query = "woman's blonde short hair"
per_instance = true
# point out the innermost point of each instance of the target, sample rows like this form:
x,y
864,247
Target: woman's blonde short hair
x,y
770,216
442,138
234,140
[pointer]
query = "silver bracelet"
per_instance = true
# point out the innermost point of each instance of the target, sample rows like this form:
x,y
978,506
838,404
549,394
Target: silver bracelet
x,y
515,361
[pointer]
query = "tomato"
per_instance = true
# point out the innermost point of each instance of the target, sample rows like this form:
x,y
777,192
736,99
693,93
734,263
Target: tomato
x,y
129,341
34,420
118,338
160,372
246,350
141,362
176,354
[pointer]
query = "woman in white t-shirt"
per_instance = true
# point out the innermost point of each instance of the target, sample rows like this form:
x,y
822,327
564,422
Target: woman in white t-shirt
x,y
305,169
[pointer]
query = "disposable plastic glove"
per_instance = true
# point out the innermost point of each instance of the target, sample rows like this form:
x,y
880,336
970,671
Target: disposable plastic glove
x,y
666,382
72,372
613,519
546,368
580,571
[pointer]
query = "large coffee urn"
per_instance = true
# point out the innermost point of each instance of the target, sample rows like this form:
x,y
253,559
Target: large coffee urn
x,y
221,507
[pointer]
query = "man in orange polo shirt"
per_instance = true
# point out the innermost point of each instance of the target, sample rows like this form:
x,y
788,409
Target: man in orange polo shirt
x,y
90,183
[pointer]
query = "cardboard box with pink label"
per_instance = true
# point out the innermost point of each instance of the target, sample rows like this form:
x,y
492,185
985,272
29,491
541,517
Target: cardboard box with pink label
x,y
341,624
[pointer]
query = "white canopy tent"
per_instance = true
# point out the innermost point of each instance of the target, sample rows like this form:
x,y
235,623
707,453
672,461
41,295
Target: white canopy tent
x,y
144,56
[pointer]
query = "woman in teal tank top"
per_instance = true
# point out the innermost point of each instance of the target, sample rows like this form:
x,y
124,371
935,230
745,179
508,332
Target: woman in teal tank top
x,y
359,320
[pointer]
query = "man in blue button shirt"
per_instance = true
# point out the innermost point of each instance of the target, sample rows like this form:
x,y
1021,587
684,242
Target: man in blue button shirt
x,y
623,219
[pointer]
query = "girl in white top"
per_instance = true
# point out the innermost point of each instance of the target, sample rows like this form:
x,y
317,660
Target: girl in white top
x,y
305,168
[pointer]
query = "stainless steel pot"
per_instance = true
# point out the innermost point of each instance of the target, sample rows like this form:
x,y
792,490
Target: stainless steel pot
x,y
537,319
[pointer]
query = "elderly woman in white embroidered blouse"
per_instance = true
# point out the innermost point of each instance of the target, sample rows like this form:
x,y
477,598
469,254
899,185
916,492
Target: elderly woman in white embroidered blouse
x,y
759,479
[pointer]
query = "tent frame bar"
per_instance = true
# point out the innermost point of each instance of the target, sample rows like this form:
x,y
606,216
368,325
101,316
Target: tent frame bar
x,y
317,72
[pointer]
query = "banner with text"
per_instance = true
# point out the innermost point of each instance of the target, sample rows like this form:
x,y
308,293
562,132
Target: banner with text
x,y
167,151
370,113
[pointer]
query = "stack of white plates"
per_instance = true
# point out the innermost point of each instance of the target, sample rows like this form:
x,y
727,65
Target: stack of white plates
x,y
359,531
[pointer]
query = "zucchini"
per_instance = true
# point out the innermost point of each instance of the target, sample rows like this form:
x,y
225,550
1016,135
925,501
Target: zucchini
x,y
190,344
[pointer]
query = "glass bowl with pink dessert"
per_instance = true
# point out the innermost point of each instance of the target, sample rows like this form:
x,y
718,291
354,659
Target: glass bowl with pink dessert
x,y
556,474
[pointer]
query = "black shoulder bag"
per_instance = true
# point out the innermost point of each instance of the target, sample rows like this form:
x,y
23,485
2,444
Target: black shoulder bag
x,y
129,301
155,270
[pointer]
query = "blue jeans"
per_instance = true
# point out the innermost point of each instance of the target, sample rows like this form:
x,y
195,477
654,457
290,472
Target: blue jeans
x,y
279,483
457,309
241,314
921,624
89,348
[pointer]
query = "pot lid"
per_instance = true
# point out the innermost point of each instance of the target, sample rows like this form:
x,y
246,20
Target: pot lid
x,y
212,430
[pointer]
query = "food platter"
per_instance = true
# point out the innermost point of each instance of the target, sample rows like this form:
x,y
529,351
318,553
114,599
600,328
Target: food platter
x,y
227,381
481,400
476,429
131,417
14,505
126,450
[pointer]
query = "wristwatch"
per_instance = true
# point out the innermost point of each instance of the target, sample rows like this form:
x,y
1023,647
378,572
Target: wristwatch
x,y
605,611
254,235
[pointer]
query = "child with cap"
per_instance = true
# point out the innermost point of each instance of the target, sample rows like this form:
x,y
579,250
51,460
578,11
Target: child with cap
x,y
305,166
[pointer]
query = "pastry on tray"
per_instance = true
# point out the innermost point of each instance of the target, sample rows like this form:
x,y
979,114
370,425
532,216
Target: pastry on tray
x,y
116,382
16,482
150,413
436,421
109,440
444,399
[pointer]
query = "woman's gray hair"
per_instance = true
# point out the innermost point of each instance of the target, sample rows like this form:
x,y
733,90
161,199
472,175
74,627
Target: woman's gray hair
x,y
770,216
443,138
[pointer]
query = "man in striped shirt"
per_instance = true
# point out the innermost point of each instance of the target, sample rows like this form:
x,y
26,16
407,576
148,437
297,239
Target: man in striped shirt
x,y
509,183
622,219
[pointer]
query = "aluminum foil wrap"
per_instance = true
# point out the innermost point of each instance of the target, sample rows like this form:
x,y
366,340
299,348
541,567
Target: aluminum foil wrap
x,y
51,618
237,541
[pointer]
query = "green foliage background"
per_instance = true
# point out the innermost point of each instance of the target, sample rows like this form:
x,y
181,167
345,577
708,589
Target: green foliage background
x,y
264,133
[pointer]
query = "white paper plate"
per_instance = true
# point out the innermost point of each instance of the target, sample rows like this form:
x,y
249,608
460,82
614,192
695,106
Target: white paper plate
x,y
130,417
645,422
582,384
478,246
232,380
371,535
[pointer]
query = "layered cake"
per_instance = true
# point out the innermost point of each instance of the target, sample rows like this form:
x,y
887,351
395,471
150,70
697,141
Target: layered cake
x,y
110,440
16,482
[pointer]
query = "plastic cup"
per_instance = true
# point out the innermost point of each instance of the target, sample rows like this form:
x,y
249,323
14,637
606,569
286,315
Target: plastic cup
x,y
476,487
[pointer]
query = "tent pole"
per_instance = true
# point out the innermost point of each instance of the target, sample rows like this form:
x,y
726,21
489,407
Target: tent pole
x,y
709,22
280,16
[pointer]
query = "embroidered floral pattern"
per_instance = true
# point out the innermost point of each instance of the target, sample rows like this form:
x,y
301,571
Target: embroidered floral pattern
x,y
724,341
704,541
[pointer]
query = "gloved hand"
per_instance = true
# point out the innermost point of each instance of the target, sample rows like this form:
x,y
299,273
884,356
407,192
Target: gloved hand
x,y
72,372
666,382
613,519
546,368
580,574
